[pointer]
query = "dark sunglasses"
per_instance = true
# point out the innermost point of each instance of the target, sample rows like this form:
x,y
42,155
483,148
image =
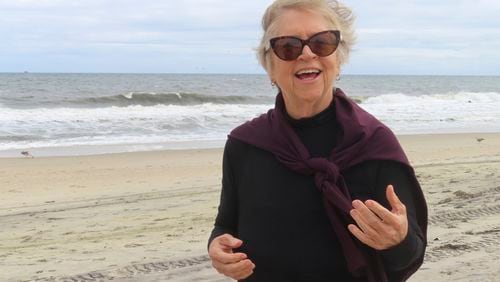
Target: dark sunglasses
x,y
289,48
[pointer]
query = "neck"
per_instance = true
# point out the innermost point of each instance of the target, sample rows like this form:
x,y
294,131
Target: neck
x,y
306,109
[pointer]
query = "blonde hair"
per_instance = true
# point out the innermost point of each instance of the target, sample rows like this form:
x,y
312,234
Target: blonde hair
x,y
340,16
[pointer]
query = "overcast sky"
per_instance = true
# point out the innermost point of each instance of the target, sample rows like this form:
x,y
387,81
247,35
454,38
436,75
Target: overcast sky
x,y
218,36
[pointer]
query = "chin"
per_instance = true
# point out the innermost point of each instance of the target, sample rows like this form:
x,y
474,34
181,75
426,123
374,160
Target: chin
x,y
311,96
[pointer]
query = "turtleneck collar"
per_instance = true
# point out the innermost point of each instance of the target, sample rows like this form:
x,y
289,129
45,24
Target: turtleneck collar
x,y
321,118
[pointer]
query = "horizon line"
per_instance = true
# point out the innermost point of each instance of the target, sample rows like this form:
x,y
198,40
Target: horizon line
x,y
241,73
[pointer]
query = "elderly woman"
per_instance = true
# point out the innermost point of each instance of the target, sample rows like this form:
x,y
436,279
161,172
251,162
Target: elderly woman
x,y
316,189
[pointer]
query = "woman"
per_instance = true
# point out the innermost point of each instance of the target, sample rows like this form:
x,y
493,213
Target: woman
x,y
316,189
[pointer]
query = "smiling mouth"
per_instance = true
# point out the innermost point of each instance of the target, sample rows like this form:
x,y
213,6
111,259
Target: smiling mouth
x,y
308,74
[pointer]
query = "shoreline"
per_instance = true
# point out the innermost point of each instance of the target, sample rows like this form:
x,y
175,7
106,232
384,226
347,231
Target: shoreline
x,y
95,150
146,216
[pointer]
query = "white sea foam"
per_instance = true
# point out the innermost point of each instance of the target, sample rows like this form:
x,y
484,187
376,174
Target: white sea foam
x,y
459,112
58,110
44,127
467,97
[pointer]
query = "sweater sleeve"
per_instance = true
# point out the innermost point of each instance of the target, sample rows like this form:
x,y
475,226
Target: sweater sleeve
x,y
227,216
412,247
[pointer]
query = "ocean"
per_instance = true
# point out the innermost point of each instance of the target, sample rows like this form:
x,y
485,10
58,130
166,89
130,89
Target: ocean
x,y
72,114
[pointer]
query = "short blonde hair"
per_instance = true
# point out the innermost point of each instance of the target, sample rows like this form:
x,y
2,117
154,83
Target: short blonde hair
x,y
340,16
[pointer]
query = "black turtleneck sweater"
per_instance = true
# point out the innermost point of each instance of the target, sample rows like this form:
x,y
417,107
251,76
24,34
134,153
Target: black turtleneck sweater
x,y
289,238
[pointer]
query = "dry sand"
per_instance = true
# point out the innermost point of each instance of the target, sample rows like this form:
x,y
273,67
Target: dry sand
x,y
146,216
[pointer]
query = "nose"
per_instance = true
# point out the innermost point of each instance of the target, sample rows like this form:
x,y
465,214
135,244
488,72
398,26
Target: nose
x,y
307,53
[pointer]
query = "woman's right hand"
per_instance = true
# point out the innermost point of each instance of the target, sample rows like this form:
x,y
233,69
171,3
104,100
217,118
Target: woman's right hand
x,y
233,265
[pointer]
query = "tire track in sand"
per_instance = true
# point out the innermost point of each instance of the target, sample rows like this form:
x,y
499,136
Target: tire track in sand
x,y
193,264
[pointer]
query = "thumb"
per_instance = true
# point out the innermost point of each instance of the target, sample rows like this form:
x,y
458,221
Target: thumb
x,y
393,199
229,241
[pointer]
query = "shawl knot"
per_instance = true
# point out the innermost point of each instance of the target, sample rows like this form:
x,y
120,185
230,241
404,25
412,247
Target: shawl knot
x,y
325,172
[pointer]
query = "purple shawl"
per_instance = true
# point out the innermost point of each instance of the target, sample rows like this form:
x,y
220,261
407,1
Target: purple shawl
x,y
362,138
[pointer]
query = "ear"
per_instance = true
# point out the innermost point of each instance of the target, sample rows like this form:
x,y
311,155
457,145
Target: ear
x,y
337,63
337,70
271,78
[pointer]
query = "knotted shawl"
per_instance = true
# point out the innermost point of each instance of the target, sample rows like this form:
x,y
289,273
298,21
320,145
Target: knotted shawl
x,y
362,138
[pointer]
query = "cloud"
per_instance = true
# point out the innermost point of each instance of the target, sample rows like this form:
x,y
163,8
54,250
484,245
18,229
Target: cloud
x,y
438,38
219,35
202,25
426,37
426,13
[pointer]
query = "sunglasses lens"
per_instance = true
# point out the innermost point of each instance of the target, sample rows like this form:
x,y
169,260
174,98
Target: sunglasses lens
x,y
324,44
287,49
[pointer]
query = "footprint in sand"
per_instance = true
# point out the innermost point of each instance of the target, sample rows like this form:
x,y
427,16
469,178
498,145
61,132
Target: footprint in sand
x,y
26,239
133,245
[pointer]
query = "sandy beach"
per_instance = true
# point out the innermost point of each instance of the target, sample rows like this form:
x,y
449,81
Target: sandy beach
x,y
146,216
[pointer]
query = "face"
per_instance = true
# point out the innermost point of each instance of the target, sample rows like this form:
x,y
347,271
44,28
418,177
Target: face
x,y
304,95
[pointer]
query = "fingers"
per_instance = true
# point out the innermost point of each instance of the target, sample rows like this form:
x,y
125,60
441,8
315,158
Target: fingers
x,y
396,204
376,226
365,215
221,249
242,275
370,207
225,258
360,235
238,270
229,241
383,214
234,265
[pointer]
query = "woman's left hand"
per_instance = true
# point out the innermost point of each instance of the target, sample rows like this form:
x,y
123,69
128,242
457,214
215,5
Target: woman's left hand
x,y
378,227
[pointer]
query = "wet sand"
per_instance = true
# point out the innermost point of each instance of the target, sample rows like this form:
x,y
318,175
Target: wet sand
x,y
146,216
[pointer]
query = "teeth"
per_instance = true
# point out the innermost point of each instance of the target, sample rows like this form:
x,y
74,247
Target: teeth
x,y
308,71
